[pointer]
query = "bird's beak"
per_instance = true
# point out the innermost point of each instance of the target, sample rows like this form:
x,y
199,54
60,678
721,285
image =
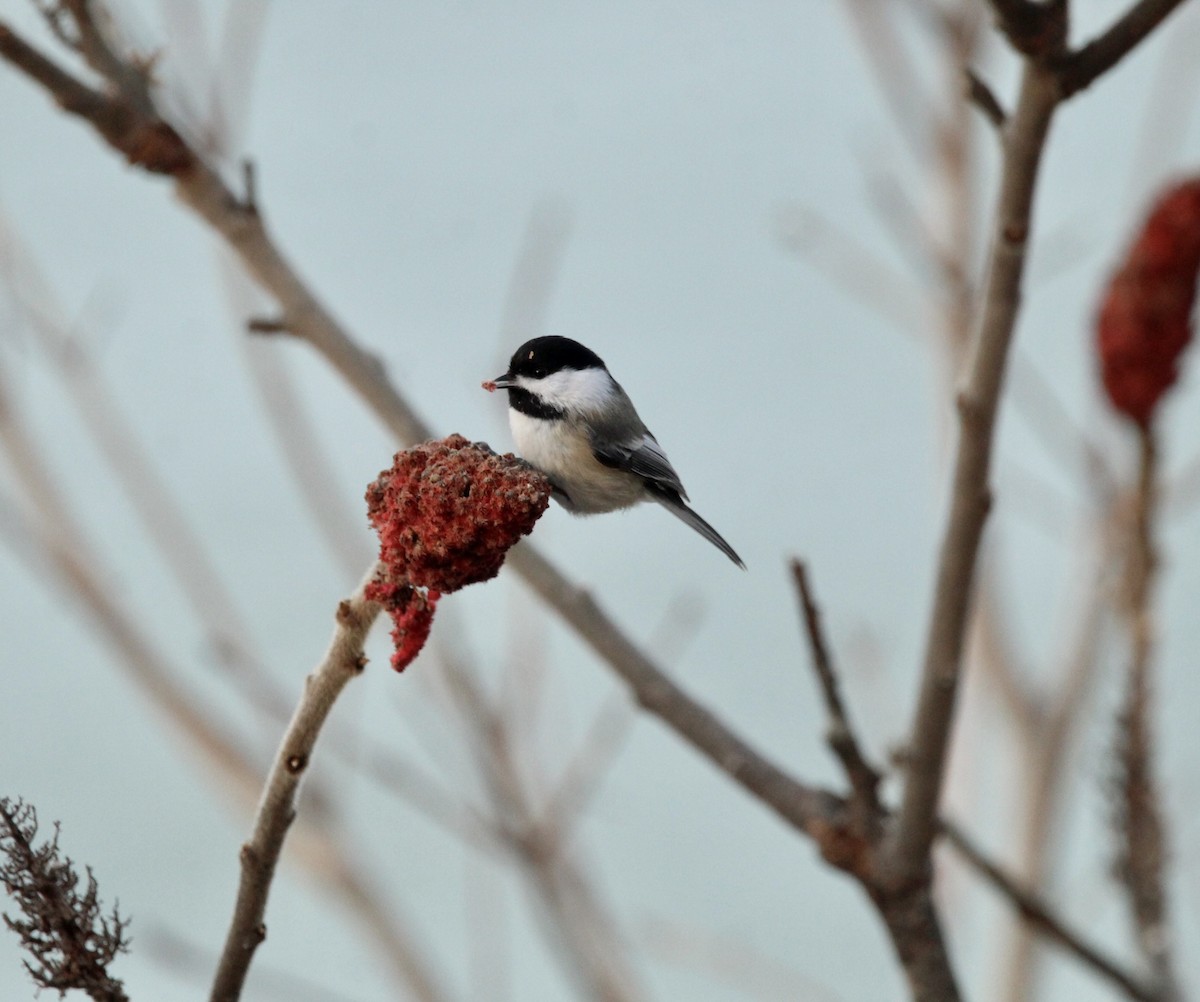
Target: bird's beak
x,y
499,383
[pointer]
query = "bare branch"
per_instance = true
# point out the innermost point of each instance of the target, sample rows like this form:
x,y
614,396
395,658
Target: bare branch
x,y
1081,68
1142,855
863,777
85,577
978,404
535,272
342,663
1042,916
804,807
1063,438
144,140
1035,28
128,74
722,957
984,98
907,910
267,325
587,767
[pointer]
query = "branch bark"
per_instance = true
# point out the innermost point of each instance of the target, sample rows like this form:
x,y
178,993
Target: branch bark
x,y
1142,855
1039,914
1081,68
863,777
907,856
343,662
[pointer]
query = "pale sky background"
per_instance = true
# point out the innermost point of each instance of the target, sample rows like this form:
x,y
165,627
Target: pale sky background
x,y
400,151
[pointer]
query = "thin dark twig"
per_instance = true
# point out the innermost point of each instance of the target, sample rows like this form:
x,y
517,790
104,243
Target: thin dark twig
x,y
249,186
268,325
1079,69
1042,916
843,741
984,98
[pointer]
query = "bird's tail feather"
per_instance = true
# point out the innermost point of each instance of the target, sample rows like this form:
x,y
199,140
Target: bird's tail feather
x,y
685,514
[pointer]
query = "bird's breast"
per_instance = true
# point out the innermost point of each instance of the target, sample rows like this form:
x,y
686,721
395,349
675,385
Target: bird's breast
x,y
561,450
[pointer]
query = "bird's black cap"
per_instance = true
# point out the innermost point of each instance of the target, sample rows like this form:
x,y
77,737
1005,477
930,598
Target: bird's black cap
x,y
544,355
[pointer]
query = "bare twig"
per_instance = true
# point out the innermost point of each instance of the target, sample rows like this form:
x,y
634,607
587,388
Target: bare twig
x,y
1081,68
342,663
144,139
724,958
70,557
1042,916
190,961
863,777
802,806
814,811
581,777
594,951
984,98
1063,438
267,325
535,273
128,75
358,888
320,489
907,911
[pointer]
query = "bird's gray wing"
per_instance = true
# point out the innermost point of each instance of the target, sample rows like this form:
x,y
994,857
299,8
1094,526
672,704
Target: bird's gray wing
x,y
642,456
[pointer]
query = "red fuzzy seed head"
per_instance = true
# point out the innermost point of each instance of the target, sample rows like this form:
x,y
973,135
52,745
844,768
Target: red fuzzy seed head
x,y
412,617
446,513
1145,318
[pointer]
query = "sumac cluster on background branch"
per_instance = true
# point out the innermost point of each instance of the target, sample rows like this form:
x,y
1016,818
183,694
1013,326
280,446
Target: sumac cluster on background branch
x,y
1145,319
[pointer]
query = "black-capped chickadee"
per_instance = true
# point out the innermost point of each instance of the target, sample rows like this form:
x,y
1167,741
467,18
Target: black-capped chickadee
x,y
573,421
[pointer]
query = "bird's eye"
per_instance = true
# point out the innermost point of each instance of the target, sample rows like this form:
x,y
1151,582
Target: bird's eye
x,y
539,372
